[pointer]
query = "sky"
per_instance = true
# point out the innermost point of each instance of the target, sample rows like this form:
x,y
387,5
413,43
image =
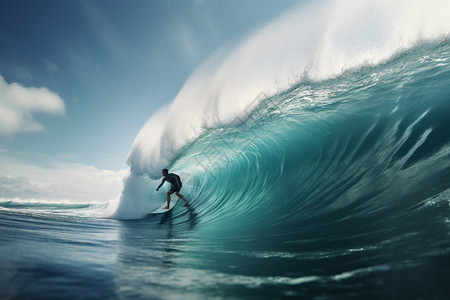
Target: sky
x,y
78,80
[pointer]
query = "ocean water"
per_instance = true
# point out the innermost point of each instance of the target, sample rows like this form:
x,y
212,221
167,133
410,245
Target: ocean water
x,y
326,187
329,190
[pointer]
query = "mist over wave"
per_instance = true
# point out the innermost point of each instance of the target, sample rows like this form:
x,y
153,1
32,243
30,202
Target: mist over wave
x,y
314,43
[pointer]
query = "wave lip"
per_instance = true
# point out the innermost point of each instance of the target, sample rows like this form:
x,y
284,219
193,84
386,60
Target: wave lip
x,y
313,42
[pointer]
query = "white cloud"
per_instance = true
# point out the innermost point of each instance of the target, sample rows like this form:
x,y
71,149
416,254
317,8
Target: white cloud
x,y
74,183
11,187
19,103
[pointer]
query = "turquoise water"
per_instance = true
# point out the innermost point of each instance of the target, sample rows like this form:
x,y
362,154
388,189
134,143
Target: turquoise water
x,y
332,189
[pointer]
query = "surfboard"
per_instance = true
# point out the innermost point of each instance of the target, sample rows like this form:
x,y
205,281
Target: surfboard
x,y
161,210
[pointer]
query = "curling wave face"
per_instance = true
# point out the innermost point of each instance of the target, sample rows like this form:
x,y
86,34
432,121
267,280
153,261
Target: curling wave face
x,y
377,145
356,64
336,188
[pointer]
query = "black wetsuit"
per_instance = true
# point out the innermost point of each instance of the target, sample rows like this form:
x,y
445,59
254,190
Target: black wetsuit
x,y
175,180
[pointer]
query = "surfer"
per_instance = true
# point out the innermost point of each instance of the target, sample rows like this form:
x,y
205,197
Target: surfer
x,y
175,181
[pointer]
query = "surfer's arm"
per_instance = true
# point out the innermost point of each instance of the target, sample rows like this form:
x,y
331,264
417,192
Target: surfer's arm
x,y
162,182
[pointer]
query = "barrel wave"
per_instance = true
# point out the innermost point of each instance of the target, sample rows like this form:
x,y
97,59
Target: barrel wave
x,y
315,156
305,105
337,166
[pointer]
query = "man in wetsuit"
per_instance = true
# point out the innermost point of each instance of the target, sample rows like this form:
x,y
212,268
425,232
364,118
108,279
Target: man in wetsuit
x,y
174,179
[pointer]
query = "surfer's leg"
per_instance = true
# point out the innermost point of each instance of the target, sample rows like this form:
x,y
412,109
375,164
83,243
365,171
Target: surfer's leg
x,y
182,197
168,199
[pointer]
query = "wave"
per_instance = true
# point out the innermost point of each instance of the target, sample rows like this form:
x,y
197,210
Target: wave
x,y
299,76
41,208
378,144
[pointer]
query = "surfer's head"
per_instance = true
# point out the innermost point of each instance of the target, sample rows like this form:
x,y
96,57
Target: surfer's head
x,y
165,172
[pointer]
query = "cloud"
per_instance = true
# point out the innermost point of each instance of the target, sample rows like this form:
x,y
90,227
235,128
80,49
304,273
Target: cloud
x,y
108,34
187,40
10,187
51,67
74,183
19,103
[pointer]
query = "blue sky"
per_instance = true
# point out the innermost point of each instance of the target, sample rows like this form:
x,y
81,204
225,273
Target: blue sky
x,y
112,63
78,79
